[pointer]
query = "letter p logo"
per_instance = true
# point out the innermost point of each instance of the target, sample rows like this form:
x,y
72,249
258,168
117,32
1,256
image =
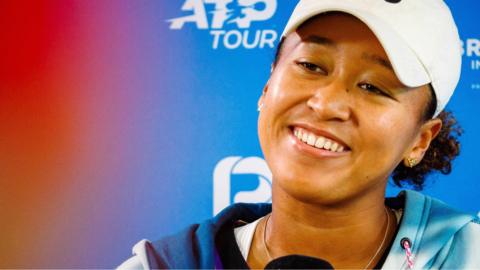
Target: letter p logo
x,y
237,179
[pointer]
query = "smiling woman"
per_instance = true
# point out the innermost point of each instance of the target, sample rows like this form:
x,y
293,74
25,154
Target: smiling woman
x,y
355,96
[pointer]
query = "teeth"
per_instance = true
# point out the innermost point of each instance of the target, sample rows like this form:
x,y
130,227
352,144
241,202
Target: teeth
x,y
317,141
305,137
320,142
311,139
299,134
327,145
334,147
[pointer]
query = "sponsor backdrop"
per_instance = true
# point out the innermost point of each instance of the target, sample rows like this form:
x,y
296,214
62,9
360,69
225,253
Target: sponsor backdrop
x,y
122,120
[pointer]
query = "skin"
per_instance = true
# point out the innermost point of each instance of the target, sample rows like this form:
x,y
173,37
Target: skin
x,y
332,207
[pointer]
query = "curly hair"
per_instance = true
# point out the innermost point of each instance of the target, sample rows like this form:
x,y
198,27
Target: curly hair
x,y
439,156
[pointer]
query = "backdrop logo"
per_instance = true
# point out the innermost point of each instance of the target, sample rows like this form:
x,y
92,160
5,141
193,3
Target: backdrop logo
x,y
237,179
227,14
471,50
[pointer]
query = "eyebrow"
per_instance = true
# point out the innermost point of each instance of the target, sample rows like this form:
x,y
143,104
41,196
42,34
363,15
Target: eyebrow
x,y
377,60
321,41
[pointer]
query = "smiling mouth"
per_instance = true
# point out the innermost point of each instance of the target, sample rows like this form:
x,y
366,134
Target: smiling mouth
x,y
318,141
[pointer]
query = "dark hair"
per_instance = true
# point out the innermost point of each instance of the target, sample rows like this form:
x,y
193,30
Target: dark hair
x,y
439,156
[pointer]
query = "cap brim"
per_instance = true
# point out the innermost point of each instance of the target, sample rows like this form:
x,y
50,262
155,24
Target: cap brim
x,y
407,66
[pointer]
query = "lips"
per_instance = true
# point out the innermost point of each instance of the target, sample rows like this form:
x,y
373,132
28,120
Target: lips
x,y
319,139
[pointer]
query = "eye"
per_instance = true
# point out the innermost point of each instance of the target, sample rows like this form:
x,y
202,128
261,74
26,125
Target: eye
x,y
311,67
373,89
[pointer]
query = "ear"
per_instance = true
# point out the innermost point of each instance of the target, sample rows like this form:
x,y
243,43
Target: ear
x,y
428,132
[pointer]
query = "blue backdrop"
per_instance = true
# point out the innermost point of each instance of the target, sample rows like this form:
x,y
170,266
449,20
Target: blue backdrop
x,y
156,105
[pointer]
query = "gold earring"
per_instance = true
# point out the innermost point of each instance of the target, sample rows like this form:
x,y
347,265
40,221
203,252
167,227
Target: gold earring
x,y
411,162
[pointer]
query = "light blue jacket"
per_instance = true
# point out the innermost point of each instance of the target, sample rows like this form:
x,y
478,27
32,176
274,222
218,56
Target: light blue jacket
x,y
441,238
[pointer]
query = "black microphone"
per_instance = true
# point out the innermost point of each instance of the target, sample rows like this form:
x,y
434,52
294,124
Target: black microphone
x,y
298,262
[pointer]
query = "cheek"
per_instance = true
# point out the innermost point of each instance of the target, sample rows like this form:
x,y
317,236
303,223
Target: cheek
x,y
281,102
267,119
286,93
386,139
282,93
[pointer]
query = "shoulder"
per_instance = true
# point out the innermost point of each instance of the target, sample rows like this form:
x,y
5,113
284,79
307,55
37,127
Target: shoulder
x,y
139,259
164,253
433,211
463,251
471,231
194,246
447,237
469,235
438,218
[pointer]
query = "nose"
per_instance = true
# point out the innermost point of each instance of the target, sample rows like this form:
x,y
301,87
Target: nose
x,y
331,102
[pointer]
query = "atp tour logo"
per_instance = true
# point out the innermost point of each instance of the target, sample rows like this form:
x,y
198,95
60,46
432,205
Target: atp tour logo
x,y
237,179
230,14
471,50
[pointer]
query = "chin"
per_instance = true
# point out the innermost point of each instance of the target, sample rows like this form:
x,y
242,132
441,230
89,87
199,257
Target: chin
x,y
326,189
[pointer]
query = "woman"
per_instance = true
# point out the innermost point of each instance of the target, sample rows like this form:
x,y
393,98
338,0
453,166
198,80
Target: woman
x,y
355,96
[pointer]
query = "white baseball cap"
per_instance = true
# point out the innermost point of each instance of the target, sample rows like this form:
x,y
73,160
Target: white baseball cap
x,y
420,38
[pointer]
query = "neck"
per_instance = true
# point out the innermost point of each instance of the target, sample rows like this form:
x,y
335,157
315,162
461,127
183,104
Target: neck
x,y
348,235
